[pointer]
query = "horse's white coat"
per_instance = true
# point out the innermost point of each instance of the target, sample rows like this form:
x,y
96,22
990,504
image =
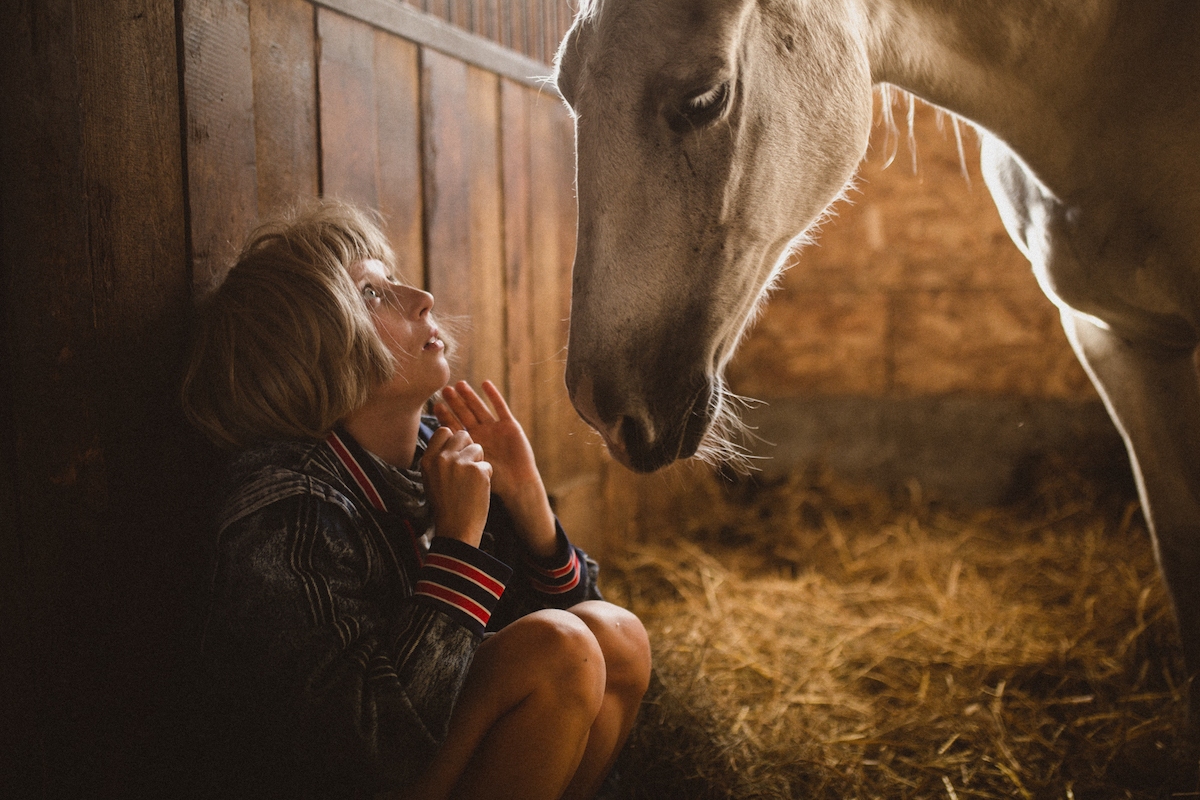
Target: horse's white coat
x,y
712,132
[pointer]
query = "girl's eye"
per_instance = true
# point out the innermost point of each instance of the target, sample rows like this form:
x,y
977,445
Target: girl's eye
x,y
371,293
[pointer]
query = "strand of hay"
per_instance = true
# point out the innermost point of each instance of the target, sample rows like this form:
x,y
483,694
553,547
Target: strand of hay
x,y
813,639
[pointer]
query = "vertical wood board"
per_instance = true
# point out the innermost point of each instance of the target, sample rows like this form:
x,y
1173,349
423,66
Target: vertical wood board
x,y
514,131
486,229
145,562
446,123
462,14
45,411
533,30
349,154
219,102
549,344
398,115
283,55
550,31
95,284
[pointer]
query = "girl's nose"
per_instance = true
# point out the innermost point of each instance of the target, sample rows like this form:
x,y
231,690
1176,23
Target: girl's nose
x,y
418,301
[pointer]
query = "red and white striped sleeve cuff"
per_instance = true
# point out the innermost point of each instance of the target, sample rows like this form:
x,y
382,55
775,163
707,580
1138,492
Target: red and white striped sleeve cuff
x,y
463,581
559,574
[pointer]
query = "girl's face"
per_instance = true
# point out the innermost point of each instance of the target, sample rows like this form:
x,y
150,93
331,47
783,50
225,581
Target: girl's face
x,y
402,318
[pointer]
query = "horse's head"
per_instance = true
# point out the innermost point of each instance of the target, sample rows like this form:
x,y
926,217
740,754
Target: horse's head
x,y
710,133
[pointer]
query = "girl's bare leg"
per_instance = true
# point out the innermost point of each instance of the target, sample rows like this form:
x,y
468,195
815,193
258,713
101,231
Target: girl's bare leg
x,y
521,724
626,650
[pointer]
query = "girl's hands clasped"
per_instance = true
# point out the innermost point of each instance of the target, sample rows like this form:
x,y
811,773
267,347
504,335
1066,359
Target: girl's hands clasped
x,y
514,478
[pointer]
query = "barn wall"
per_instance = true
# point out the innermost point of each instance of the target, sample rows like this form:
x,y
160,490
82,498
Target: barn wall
x,y
96,511
912,340
141,141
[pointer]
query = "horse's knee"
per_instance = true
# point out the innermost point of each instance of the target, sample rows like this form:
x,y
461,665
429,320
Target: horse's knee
x,y
626,647
566,658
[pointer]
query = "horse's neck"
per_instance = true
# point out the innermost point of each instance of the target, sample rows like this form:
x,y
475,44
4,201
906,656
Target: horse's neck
x,y
1019,68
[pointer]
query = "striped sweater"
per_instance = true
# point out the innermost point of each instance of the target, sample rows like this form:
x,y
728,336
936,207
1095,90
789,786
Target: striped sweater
x,y
340,629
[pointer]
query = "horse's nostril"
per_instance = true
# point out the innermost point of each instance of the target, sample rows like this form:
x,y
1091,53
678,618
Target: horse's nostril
x,y
641,449
633,434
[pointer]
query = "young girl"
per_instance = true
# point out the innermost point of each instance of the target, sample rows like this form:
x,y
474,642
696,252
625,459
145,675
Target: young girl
x,y
394,607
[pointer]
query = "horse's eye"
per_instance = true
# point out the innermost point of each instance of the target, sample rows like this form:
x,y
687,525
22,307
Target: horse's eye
x,y
701,108
706,99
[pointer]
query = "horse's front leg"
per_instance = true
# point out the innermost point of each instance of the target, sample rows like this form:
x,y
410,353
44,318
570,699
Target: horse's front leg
x,y
1153,394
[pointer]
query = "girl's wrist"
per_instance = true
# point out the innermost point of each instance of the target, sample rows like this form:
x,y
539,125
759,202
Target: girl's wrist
x,y
467,534
531,512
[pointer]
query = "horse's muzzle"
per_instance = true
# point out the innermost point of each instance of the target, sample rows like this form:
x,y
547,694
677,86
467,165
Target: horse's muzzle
x,y
644,434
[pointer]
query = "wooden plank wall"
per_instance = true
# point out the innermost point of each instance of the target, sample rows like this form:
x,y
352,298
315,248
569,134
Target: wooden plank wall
x,y
140,141
95,523
471,171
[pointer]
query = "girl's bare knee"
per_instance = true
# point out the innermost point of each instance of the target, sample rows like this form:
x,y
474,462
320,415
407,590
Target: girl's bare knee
x,y
623,639
565,655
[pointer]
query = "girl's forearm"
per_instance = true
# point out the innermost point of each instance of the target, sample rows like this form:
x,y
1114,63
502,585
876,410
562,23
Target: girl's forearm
x,y
530,510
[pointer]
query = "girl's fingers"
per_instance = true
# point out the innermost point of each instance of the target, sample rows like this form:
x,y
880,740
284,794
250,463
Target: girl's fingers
x,y
454,399
498,402
437,442
446,417
476,406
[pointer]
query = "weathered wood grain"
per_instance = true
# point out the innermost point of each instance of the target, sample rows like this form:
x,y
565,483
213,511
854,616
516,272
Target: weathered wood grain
x,y
486,241
283,59
516,154
446,123
349,154
95,282
219,101
398,116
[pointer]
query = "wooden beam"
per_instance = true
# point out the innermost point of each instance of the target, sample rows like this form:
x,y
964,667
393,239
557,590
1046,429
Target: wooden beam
x,y
431,32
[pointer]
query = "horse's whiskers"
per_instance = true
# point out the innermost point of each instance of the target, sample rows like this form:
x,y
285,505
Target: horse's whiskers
x,y
722,444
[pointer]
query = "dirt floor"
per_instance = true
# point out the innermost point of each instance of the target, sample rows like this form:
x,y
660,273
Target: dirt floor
x,y
818,640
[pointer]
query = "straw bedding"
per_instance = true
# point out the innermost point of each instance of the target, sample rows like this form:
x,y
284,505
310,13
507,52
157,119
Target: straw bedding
x,y
817,640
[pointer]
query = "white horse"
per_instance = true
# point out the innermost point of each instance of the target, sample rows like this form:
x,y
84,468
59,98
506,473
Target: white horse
x,y
712,133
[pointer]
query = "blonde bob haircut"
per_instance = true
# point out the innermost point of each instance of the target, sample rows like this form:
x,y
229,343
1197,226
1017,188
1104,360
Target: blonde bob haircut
x,y
285,347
